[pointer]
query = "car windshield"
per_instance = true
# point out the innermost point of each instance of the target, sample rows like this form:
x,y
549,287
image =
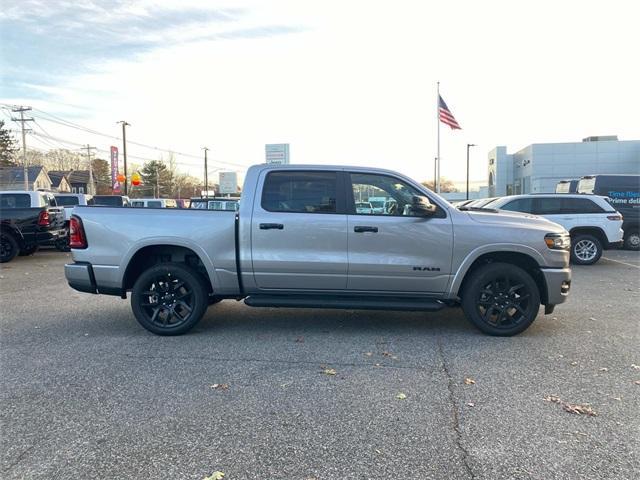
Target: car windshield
x,y
377,203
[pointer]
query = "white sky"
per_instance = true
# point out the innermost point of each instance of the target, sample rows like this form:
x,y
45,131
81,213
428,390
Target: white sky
x,y
356,83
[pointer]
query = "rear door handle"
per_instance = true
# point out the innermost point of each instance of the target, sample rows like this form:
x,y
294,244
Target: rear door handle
x,y
271,226
361,228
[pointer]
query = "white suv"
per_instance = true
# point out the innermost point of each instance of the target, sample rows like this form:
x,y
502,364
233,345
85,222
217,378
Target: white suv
x,y
593,223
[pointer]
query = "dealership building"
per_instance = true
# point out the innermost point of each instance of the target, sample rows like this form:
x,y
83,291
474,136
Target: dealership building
x,y
537,168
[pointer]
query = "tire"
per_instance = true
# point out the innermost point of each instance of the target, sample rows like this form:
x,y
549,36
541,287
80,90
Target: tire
x,y
8,247
501,299
585,249
62,244
632,240
29,250
178,305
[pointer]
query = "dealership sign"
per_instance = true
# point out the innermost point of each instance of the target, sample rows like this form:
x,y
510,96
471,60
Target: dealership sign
x,y
228,182
277,153
115,184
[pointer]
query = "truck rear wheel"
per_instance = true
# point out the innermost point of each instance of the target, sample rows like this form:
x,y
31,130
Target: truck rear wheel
x,y
8,247
501,299
169,299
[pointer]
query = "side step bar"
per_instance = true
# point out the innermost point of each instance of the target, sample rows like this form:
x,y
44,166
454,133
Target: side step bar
x,y
345,302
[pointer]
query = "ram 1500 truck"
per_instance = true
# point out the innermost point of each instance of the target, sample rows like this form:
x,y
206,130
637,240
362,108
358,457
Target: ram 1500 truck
x,y
298,241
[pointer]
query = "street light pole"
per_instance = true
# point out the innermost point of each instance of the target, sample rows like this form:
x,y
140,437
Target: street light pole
x,y
468,145
206,172
124,154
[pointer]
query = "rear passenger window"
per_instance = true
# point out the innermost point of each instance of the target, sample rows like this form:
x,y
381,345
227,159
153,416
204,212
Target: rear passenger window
x,y
580,205
520,205
301,192
15,200
548,206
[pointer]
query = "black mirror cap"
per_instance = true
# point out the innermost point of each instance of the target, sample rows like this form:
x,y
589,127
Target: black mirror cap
x,y
422,206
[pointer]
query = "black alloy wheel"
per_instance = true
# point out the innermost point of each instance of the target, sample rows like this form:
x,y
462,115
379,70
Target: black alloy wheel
x,y
501,299
8,247
169,299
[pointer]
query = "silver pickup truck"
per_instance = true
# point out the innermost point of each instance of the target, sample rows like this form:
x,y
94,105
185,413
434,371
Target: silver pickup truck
x,y
297,240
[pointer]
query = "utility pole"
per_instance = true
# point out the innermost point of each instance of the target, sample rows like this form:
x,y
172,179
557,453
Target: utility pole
x,y
90,189
206,172
468,145
124,154
21,110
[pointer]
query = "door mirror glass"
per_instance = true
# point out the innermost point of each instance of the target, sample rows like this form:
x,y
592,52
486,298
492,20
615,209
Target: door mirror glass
x,y
422,206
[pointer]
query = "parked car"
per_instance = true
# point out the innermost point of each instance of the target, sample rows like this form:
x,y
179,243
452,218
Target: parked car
x,y
111,200
27,220
623,192
215,203
364,207
297,241
153,203
480,202
68,201
594,225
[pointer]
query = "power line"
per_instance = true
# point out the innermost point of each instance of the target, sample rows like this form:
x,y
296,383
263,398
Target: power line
x,y
67,123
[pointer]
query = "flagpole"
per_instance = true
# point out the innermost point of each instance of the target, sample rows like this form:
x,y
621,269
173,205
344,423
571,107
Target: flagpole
x,y
437,185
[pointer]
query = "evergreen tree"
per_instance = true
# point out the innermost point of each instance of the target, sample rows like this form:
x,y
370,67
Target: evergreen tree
x,y
8,147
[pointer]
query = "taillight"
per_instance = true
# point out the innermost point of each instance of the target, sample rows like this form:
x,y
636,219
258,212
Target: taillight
x,y
43,219
77,238
614,217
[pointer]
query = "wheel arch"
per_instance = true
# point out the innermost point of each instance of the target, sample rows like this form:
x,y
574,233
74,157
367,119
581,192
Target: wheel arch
x,y
9,229
524,260
150,255
594,231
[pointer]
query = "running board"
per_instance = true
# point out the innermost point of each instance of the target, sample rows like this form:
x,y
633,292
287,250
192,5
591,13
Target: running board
x,y
345,302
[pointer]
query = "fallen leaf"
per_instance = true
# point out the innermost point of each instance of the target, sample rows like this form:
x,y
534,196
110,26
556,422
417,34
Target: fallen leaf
x,y
329,371
386,354
469,381
300,340
378,451
637,382
471,404
368,354
215,476
592,319
573,364
377,365
401,396
552,398
604,369
220,386
579,409
617,398
637,367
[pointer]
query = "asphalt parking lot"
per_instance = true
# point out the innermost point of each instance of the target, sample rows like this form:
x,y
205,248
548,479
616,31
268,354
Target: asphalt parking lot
x,y
87,393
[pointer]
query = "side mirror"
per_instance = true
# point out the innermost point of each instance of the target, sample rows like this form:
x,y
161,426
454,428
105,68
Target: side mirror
x,y
422,206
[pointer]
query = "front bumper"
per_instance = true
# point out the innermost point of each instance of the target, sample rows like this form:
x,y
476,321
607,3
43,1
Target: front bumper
x,y
558,282
80,277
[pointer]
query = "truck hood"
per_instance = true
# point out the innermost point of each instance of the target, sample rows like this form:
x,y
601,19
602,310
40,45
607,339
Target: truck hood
x,y
504,217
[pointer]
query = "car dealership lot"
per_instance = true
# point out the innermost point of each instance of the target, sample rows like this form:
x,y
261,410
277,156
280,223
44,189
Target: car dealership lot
x,y
87,393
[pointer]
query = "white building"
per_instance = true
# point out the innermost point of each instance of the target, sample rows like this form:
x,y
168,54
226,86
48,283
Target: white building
x,y
540,166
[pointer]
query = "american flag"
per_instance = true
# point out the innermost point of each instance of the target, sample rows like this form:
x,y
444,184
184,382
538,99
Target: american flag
x,y
446,116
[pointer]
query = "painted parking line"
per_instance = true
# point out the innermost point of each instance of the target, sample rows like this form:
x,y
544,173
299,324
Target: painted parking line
x,y
622,263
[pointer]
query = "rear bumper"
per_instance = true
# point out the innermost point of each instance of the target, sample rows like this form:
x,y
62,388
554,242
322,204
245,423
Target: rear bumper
x,y
558,282
80,277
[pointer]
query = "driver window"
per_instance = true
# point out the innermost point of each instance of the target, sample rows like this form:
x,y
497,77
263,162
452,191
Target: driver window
x,y
382,195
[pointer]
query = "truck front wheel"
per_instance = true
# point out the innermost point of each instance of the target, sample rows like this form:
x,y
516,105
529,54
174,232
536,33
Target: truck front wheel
x,y
501,299
169,299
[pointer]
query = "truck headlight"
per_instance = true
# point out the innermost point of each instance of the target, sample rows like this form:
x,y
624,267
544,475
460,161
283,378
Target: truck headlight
x,y
558,241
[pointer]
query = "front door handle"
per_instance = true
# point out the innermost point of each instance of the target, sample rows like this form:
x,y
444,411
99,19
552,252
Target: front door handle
x,y
271,226
361,228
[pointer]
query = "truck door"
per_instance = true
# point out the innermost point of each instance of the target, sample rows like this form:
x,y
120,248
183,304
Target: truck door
x,y
395,251
299,231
